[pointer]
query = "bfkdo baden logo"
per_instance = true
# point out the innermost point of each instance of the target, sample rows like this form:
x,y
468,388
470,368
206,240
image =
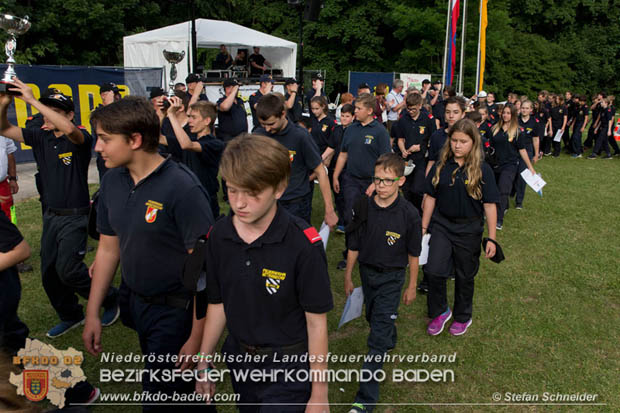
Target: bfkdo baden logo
x,y
48,372
36,384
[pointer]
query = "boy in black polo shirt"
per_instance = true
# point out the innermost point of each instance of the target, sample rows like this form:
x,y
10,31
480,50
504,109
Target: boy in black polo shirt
x,y
304,157
267,282
62,152
198,149
413,134
151,212
581,120
231,115
385,240
293,100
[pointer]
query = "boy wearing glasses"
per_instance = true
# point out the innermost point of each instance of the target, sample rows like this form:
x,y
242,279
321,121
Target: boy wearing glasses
x,y
385,236
413,133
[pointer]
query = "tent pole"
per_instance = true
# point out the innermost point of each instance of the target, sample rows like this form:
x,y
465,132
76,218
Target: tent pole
x,y
192,60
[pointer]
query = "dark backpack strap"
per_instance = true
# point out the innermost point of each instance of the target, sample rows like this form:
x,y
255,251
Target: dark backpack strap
x,y
92,217
195,263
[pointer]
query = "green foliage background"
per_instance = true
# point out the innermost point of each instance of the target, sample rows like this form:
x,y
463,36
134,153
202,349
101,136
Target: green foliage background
x,y
531,44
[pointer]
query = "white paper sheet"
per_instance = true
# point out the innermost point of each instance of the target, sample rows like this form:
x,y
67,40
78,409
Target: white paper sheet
x,y
353,306
324,233
534,181
426,239
558,136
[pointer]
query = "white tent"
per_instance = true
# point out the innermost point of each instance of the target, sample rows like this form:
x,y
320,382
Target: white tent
x,y
145,49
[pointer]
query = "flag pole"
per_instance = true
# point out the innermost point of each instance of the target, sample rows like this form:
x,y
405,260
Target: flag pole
x,y
445,53
478,85
460,90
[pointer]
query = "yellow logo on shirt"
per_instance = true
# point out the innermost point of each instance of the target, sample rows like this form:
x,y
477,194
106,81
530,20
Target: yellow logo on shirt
x,y
392,237
151,210
291,155
324,128
368,139
273,279
66,157
422,129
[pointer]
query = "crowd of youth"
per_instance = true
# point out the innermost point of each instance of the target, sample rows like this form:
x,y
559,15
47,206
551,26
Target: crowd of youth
x,y
261,271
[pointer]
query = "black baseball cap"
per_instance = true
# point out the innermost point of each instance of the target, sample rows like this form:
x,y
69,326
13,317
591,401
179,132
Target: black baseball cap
x,y
363,86
265,78
230,82
54,98
317,76
192,78
290,81
499,254
157,92
426,82
110,87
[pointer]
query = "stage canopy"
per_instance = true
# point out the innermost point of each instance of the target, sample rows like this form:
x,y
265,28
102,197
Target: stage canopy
x,y
145,49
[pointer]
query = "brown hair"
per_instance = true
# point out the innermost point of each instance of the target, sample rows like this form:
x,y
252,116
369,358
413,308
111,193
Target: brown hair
x,y
392,162
348,108
133,114
367,100
346,98
513,127
206,109
321,101
380,89
456,100
473,160
414,99
184,96
474,116
270,105
255,162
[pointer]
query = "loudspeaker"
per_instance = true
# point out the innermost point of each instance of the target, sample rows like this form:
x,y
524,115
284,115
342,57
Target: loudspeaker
x,y
312,10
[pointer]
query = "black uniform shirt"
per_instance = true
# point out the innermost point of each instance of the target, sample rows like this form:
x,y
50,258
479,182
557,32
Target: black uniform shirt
x,y
531,130
438,140
294,113
202,96
156,220
10,238
322,130
452,199
205,164
335,142
259,59
415,132
607,115
580,115
304,156
267,286
389,235
492,109
485,132
254,98
63,166
557,114
364,144
506,151
439,112
168,131
234,121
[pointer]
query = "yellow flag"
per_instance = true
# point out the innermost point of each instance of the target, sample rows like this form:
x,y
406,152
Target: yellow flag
x,y
483,39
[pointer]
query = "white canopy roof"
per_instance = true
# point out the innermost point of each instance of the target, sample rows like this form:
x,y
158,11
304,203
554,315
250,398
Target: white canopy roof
x,y
145,49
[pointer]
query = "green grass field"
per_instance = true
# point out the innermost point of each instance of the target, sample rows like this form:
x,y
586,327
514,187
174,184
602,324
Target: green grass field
x,y
544,320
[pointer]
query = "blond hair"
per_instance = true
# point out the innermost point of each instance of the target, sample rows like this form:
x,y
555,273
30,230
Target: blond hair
x,y
513,127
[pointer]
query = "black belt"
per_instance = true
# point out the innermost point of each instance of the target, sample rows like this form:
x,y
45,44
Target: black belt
x,y
298,348
170,300
382,269
66,212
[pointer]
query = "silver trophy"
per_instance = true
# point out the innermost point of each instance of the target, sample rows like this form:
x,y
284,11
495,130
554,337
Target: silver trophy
x,y
173,58
14,26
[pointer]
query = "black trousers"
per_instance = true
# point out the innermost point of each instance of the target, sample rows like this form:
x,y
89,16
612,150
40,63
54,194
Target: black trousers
x,y
382,292
453,247
602,142
577,148
504,176
591,137
162,330
64,274
352,188
265,396
13,332
557,146
338,197
519,182
413,189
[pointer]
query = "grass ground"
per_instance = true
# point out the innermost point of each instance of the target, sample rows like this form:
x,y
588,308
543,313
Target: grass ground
x,y
545,320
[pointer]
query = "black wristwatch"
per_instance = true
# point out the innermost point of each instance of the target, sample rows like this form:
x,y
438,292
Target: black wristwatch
x,y
12,178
